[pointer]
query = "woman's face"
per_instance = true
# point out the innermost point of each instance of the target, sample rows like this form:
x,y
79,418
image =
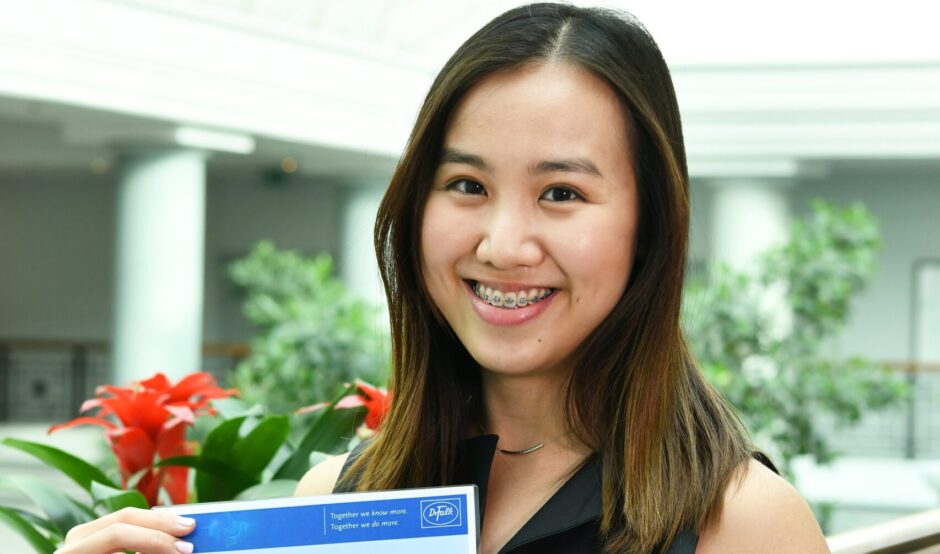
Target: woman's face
x,y
528,233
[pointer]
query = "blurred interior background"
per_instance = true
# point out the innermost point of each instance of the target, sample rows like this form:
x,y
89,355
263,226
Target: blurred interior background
x,y
147,145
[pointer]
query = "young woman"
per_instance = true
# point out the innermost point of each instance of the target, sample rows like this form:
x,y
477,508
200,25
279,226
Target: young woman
x,y
533,245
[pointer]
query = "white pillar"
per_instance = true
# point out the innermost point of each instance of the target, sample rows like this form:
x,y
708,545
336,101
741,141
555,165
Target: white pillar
x,y
159,265
749,216
359,268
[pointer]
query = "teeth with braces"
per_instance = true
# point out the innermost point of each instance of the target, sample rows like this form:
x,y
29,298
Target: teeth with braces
x,y
510,300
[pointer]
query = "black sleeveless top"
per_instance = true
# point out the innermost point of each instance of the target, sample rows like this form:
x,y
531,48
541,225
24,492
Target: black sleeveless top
x,y
568,523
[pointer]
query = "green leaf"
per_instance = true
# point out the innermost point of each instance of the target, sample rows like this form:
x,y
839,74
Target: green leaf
x,y
77,469
329,433
221,440
114,499
37,521
221,480
232,407
19,524
57,505
253,452
228,463
89,512
277,488
217,476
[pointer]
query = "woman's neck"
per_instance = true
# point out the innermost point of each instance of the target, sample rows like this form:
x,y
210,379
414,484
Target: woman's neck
x,y
523,410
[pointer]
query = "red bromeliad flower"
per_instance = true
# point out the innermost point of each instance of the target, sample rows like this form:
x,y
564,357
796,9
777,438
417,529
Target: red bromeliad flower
x,y
154,414
374,399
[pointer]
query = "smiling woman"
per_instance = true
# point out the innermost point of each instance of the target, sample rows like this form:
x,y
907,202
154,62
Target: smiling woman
x,y
532,243
540,198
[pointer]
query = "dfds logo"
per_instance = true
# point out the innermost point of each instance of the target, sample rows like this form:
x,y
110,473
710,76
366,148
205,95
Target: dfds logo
x,y
440,513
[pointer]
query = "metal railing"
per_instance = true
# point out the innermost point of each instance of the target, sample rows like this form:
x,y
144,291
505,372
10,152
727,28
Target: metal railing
x,y
43,380
46,380
914,534
909,430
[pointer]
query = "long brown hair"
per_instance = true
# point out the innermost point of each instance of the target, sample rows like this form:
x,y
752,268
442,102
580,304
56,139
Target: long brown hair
x,y
669,443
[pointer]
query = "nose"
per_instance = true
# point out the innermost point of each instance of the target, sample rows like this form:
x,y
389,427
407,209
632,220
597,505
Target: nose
x,y
509,239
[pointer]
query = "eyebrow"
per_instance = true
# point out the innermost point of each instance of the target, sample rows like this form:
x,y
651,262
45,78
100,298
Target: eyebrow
x,y
573,165
568,165
454,156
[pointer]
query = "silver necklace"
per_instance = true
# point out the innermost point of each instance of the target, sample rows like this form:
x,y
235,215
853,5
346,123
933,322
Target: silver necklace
x,y
528,450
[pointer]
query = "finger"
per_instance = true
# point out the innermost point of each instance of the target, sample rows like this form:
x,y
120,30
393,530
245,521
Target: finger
x,y
124,536
161,521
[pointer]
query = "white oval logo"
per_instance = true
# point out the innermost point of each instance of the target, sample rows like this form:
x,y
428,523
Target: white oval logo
x,y
440,513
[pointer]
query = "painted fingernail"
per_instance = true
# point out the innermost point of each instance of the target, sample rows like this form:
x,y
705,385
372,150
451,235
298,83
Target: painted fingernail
x,y
184,547
186,521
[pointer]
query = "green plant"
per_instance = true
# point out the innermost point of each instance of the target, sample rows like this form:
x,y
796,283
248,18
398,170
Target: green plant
x,y
762,338
314,335
247,454
242,453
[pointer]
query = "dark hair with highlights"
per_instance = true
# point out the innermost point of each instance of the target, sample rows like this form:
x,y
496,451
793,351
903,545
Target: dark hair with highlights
x,y
669,443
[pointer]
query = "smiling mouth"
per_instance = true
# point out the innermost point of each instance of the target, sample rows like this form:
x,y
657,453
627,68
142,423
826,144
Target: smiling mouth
x,y
510,300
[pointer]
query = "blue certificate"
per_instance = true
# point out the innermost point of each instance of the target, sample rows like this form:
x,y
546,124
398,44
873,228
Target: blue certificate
x,y
427,520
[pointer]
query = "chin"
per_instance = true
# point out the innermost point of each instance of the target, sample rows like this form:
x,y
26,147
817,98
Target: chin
x,y
517,364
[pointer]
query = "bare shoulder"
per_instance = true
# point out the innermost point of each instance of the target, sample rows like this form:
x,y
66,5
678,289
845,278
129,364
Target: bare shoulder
x,y
762,513
321,478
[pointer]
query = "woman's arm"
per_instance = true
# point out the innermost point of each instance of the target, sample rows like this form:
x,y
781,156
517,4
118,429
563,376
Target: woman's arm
x,y
321,478
763,513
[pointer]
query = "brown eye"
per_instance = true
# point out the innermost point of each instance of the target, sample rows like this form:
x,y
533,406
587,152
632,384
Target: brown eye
x,y
466,186
560,194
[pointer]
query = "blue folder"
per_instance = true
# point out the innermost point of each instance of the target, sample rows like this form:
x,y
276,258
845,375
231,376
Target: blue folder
x,y
435,519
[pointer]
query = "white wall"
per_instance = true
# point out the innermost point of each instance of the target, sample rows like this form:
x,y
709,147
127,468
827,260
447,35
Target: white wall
x,y
907,206
56,243
908,210
700,239
302,214
56,247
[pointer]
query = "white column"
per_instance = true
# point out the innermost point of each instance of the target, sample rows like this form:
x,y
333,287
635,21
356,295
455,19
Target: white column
x,y
749,216
359,268
159,264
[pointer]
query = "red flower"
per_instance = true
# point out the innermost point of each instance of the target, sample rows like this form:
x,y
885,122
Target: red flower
x,y
154,414
374,399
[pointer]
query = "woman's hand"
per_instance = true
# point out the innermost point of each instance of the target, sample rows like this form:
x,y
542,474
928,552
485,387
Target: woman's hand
x,y
145,531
